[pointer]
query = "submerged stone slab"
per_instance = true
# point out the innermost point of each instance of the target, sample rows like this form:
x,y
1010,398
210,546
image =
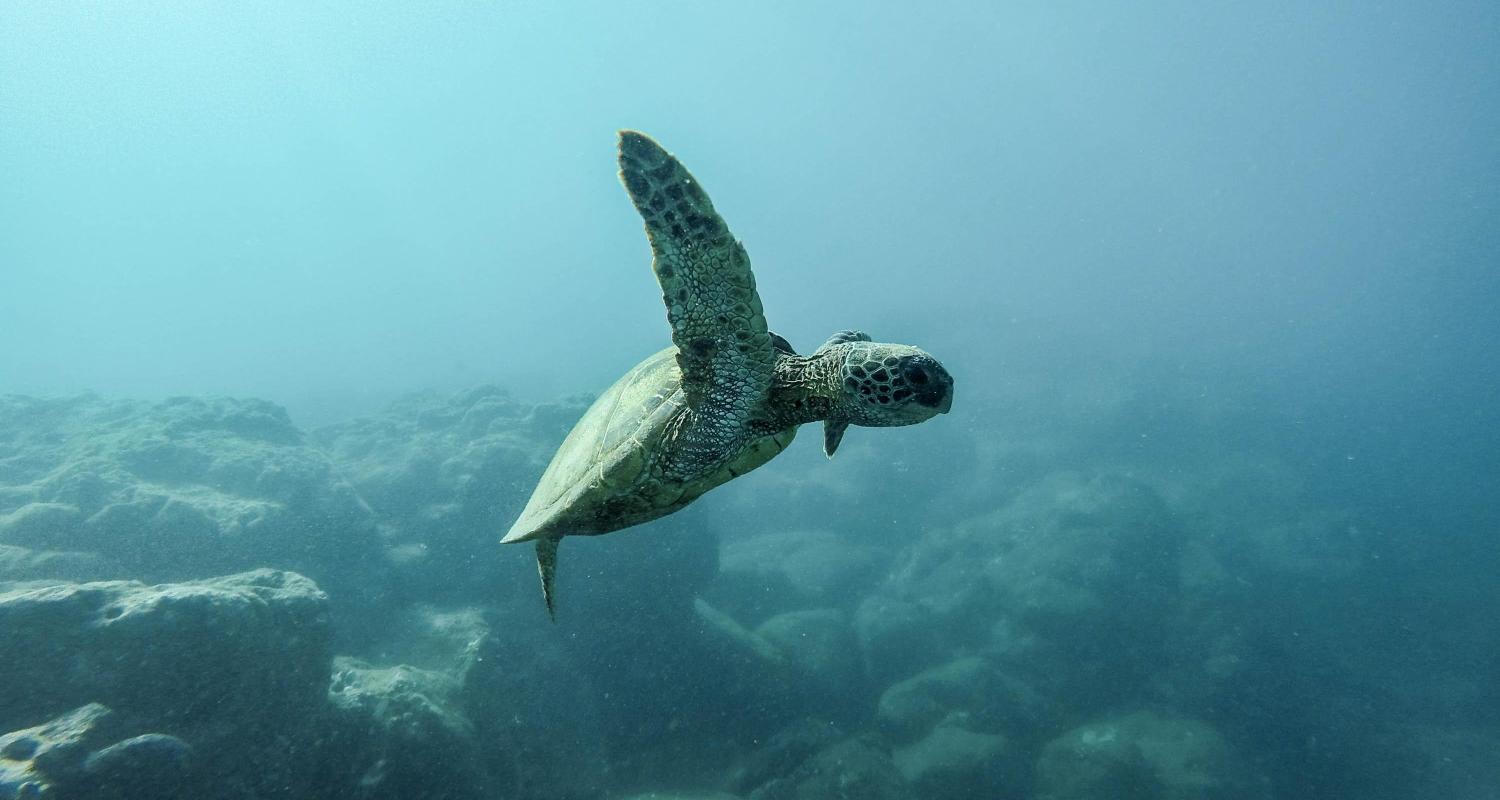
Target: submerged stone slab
x,y
955,763
178,489
72,757
857,767
404,734
1143,755
972,687
239,644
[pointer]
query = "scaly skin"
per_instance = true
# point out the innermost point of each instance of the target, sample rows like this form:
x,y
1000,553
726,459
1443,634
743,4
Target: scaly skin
x,y
718,325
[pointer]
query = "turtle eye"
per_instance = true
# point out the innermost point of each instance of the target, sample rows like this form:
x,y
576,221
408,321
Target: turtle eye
x,y
915,373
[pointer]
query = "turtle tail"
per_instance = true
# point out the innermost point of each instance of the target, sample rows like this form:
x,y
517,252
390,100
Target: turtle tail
x,y
546,566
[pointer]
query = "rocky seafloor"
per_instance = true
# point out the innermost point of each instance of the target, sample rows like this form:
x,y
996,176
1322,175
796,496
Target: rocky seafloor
x,y
198,599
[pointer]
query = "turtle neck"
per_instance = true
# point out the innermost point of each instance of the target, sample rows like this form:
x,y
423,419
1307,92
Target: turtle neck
x,y
804,389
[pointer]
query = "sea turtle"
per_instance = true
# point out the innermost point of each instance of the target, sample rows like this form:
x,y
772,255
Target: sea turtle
x,y
726,397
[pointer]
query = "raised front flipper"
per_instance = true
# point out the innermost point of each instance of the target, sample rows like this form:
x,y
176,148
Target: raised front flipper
x,y
726,355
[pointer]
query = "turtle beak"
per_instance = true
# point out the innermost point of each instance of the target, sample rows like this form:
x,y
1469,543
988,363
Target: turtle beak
x,y
938,393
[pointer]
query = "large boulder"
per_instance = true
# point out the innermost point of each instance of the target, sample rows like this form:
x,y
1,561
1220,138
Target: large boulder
x,y
764,574
898,637
1076,577
179,489
242,645
970,688
820,645
536,713
956,763
23,564
82,754
704,795
783,753
858,767
401,733
446,475
1143,755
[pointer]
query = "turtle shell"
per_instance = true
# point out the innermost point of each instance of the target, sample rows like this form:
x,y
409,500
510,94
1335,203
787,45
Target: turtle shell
x,y
606,475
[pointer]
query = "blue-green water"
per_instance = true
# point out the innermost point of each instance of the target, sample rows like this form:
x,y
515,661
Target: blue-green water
x,y
1212,516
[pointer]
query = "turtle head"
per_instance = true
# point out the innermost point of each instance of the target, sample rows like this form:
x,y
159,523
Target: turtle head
x,y
885,385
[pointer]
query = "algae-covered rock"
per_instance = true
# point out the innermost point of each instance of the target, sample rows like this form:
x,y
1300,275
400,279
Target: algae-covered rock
x,y
41,524
783,753
402,734
443,473
150,765
858,767
971,687
819,643
898,637
442,639
683,796
534,711
190,651
179,489
73,756
781,571
955,763
1076,578
1143,755
35,760
22,564
740,642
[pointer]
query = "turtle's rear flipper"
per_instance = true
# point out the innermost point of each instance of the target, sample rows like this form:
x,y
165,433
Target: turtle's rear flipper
x,y
546,566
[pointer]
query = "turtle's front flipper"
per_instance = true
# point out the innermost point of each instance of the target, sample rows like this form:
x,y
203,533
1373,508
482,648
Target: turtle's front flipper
x,y
725,352
546,566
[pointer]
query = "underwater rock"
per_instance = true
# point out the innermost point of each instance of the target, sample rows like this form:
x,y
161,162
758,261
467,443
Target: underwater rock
x,y
41,525
955,763
1077,576
150,765
401,734
537,742
463,694
987,699
783,753
669,688
740,642
194,651
896,637
683,796
1096,765
181,488
434,638
444,475
819,643
72,756
34,761
1143,755
21,564
857,767
772,573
